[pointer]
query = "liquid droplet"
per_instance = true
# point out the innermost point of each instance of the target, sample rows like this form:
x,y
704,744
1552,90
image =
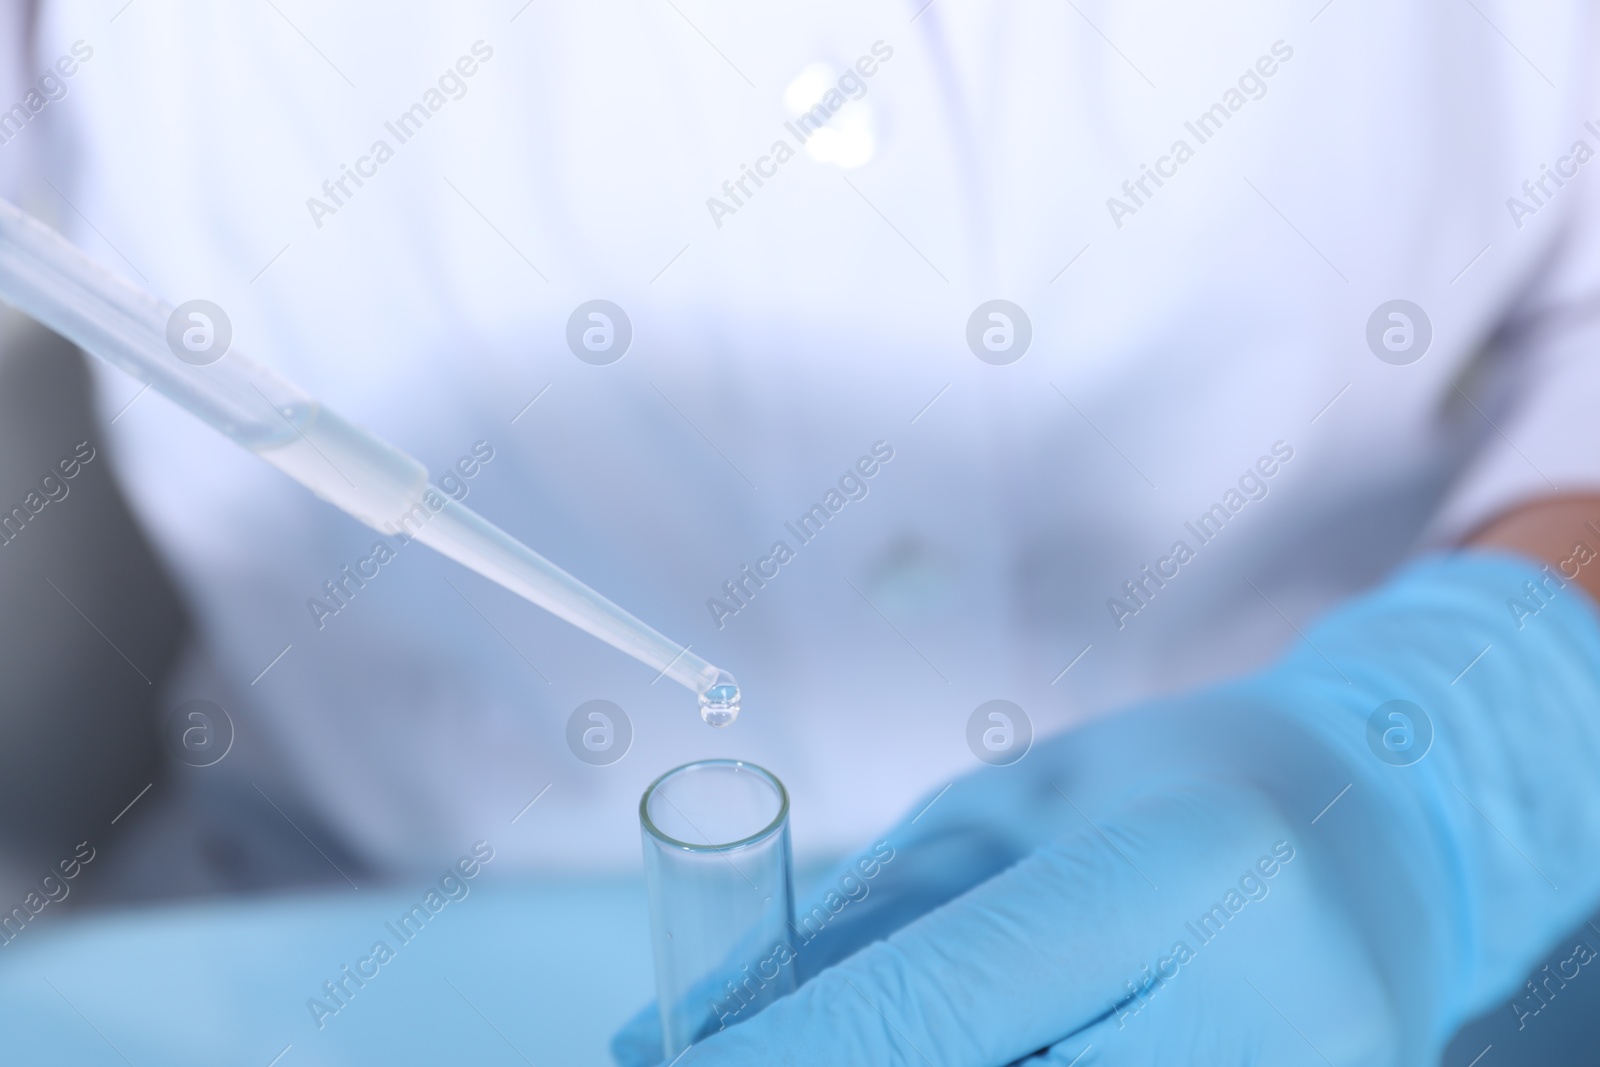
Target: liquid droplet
x,y
719,703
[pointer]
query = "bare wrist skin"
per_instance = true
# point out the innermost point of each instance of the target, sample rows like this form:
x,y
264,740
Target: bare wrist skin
x,y
1563,531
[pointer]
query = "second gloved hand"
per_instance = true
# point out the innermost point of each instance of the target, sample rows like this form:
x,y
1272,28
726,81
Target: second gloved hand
x,y
1243,875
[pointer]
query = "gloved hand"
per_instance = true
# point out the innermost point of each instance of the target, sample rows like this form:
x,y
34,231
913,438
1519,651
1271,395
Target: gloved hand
x,y
1193,881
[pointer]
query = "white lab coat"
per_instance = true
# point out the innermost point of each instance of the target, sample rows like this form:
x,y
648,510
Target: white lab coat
x,y
1221,320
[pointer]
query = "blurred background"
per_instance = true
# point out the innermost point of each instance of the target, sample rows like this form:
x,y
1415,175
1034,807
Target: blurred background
x,y
773,346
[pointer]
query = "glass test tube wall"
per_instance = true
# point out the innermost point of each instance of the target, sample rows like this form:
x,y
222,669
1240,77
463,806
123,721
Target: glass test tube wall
x,y
717,871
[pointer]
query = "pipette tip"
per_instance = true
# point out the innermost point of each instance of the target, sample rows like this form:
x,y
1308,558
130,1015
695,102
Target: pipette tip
x,y
719,702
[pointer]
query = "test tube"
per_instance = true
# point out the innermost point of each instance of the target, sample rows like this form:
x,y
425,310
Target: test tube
x,y
717,872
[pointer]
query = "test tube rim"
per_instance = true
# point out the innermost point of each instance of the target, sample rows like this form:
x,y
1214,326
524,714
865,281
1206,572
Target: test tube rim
x,y
779,821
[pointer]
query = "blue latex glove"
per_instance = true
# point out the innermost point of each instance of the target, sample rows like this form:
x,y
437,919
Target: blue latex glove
x,y
1193,882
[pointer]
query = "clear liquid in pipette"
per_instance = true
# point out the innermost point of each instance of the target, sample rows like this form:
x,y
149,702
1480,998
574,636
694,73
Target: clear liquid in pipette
x,y
342,468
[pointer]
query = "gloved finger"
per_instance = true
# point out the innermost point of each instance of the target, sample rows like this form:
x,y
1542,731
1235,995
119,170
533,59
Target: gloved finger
x,y
1029,957
1288,981
638,1043
847,911
951,840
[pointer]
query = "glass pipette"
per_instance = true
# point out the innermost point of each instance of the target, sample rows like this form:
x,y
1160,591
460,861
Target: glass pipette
x,y
52,281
